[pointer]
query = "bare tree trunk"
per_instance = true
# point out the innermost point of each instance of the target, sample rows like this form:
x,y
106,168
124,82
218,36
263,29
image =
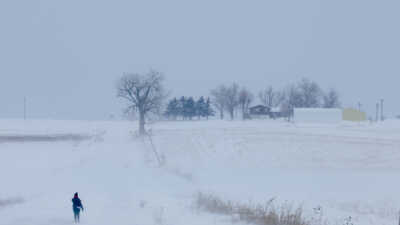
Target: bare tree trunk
x,y
243,112
221,114
232,113
142,131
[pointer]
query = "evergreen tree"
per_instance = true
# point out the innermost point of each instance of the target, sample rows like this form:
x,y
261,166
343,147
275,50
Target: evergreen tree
x,y
189,108
172,110
201,108
181,107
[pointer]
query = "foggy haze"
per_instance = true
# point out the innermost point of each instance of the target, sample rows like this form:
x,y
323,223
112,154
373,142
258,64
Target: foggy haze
x,y
66,56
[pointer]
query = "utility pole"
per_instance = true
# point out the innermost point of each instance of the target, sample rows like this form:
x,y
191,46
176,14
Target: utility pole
x,y
24,108
377,112
382,118
359,106
399,218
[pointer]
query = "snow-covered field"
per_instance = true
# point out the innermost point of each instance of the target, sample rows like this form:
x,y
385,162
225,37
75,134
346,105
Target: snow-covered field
x,y
346,169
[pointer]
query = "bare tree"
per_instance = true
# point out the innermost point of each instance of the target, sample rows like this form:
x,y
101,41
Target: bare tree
x,y
295,97
245,98
218,99
291,98
280,97
232,99
144,92
310,92
267,97
331,99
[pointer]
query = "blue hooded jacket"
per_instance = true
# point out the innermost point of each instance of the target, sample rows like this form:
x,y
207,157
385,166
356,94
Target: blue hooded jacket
x,y
76,203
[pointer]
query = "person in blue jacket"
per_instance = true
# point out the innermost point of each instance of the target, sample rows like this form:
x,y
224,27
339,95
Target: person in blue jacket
x,y
76,207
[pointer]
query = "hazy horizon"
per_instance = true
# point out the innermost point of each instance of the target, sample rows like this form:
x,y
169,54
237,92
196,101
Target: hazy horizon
x,y
66,56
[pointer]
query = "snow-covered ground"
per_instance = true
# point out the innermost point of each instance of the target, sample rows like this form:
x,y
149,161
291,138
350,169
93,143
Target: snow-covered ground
x,y
346,169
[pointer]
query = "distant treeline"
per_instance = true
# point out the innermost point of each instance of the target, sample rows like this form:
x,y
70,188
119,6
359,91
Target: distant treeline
x,y
187,108
232,98
146,95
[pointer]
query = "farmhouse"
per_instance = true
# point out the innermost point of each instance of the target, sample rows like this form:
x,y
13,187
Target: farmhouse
x,y
276,112
259,110
262,111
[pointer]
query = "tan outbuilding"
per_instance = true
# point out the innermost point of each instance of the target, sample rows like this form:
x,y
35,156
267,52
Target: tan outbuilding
x,y
354,115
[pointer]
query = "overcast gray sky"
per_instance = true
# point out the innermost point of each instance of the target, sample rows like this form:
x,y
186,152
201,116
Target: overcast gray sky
x,y
66,56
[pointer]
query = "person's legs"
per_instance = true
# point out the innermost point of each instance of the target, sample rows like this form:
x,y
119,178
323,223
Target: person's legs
x,y
76,215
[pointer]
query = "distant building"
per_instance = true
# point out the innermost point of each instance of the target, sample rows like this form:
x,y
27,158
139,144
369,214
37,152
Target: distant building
x,y
350,114
317,115
262,111
276,112
259,110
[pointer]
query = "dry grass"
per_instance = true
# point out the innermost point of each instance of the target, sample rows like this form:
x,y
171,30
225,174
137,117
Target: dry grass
x,y
10,202
259,214
43,138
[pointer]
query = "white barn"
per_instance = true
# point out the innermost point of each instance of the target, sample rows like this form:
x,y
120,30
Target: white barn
x,y
317,115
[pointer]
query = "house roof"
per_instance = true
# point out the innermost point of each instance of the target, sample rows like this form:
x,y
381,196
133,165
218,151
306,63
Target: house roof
x,y
259,106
